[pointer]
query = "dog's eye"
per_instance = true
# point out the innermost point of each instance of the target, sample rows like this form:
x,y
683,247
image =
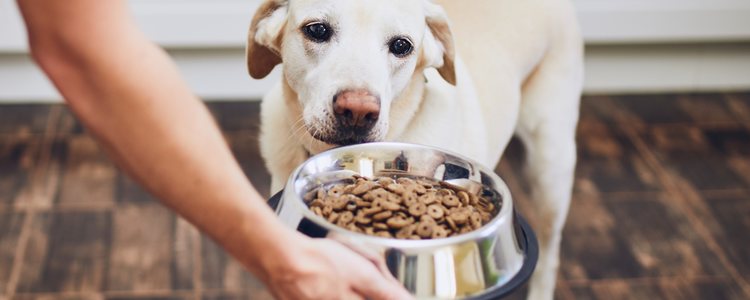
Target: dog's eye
x,y
400,47
318,32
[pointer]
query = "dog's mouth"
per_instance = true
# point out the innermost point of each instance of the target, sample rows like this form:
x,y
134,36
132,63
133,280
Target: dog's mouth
x,y
345,136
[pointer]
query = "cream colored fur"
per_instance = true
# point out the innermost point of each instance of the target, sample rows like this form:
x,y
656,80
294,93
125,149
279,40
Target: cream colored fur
x,y
517,67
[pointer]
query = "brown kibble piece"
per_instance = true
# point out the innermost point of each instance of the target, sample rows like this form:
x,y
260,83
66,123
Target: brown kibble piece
x,y
380,226
362,202
369,231
339,203
371,210
410,199
354,228
349,188
424,229
333,217
418,209
398,222
395,199
451,223
435,211
382,215
346,217
427,219
336,190
316,210
438,232
363,186
316,203
383,181
464,198
444,192
475,220
391,206
327,210
376,194
451,201
428,198
406,181
419,189
460,216
361,218
406,232
396,188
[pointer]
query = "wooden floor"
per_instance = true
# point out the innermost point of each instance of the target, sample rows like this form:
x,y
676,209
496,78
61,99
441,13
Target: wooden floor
x,y
661,208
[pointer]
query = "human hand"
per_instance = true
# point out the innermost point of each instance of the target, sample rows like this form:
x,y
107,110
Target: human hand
x,y
327,269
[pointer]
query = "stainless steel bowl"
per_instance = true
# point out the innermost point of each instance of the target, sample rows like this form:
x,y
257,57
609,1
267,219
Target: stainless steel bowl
x,y
477,264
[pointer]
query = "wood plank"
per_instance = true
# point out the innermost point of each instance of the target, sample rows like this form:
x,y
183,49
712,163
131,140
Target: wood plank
x,y
732,211
244,145
608,158
658,288
236,116
17,158
223,272
141,251
10,230
132,297
68,253
220,270
23,118
707,109
128,191
35,256
652,109
592,247
87,175
214,261
661,238
690,154
183,263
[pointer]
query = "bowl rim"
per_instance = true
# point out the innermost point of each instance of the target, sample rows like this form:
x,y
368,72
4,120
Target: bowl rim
x,y
503,218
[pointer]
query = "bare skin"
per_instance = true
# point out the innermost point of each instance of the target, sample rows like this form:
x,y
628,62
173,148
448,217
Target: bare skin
x,y
130,96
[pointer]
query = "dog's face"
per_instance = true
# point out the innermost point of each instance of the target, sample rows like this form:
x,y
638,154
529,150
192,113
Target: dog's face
x,y
347,61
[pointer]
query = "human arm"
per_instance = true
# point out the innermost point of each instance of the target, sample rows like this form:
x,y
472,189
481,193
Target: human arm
x,y
130,96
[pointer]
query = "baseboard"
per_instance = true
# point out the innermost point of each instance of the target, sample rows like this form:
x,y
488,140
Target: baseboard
x,y
667,68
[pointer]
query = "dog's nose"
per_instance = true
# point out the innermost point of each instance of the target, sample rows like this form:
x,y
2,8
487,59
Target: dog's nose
x,y
356,108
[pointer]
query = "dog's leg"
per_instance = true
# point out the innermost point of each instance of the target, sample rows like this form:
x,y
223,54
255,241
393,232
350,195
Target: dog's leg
x,y
547,125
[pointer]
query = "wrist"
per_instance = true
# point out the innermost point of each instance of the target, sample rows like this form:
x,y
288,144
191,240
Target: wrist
x,y
264,245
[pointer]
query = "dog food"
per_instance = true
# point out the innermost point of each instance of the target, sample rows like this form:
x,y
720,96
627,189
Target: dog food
x,y
402,208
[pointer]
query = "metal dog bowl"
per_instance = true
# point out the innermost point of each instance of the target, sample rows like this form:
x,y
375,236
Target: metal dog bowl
x,y
487,263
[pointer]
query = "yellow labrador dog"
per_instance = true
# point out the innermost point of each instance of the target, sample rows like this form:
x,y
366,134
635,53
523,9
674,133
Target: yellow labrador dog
x,y
357,71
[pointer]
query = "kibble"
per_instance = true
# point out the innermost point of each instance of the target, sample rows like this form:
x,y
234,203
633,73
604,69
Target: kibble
x,y
402,207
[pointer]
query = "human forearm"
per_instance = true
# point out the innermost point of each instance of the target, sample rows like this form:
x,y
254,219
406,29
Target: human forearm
x,y
129,94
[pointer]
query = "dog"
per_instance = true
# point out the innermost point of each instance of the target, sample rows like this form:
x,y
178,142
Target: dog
x,y
390,70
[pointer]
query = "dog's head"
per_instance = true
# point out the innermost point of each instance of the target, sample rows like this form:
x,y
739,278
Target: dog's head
x,y
347,61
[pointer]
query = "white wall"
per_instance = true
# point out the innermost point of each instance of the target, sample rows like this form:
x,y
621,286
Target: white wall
x,y
634,45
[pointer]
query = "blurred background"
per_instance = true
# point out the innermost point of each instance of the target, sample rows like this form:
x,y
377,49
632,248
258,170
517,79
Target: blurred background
x,y
662,196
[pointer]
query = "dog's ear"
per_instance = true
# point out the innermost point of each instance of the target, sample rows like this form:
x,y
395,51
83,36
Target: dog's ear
x,y
439,50
262,52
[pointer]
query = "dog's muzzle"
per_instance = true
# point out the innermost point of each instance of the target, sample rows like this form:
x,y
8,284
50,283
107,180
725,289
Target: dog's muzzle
x,y
356,112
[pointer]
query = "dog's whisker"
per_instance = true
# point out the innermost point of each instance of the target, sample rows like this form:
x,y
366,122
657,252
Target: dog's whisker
x,y
296,128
